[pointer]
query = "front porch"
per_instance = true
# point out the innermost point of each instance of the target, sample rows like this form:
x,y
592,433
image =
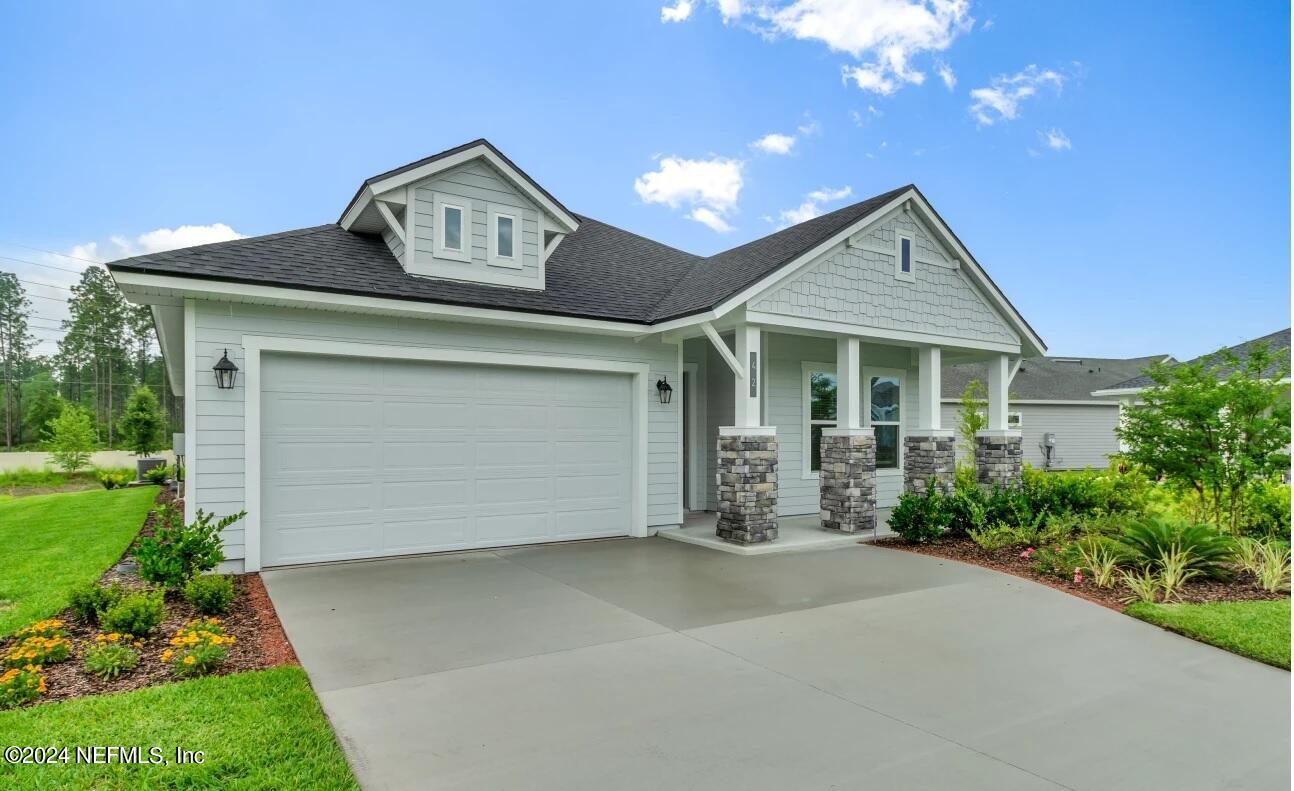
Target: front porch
x,y
794,534
797,437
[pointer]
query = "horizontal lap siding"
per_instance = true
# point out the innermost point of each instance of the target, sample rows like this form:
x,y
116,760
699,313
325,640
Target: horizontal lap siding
x,y
219,465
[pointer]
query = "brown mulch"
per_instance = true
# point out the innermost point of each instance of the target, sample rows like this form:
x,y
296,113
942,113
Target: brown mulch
x,y
261,641
1243,588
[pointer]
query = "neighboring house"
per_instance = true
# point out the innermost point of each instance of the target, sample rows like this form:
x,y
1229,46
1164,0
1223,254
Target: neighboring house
x,y
1052,399
461,362
1278,343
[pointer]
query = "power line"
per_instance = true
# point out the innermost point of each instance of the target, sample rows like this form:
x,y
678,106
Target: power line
x,y
47,266
51,252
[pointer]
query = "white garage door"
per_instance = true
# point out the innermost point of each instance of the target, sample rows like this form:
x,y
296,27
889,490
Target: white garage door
x,y
366,458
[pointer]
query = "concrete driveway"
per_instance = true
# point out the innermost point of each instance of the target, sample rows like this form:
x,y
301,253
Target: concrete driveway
x,y
648,664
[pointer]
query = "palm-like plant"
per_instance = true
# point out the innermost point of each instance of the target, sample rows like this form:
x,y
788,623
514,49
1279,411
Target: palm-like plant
x,y
1207,552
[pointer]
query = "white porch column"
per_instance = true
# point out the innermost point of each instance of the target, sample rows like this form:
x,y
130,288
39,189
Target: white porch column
x,y
746,395
747,461
849,384
999,379
930,451
928,388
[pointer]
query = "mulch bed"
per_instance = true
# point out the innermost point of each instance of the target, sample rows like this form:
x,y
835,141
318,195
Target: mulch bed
x,y
1243,588
251,618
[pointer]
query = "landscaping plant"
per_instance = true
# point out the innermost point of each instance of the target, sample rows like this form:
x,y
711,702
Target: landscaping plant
x,y
157,475
1174,571
920,517
1100,558
71,438
176,551
114,479
136,614
110,656
197,648
142,423
972,417
1143,586
38,646
1210,434
1272,566
1207,551
210,594
1002,536
90,600
20,685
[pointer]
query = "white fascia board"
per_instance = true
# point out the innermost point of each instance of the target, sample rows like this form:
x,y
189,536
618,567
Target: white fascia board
x,y
357,208
1044,402
142,286
564,218
896,337
1034,344
1118,391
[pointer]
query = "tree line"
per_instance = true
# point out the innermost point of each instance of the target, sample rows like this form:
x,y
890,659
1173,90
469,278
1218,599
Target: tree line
x,y
103,354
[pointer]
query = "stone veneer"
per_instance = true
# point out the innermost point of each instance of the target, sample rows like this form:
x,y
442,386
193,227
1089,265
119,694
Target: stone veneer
x,y
999,458
929,458
747,482
847,483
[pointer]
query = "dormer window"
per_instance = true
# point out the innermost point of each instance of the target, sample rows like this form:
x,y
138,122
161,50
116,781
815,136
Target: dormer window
x,y
504,229
452,238
903,258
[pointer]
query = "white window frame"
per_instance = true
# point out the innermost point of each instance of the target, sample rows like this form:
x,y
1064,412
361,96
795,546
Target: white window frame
x,y
1014,419
902,376
510,261
911,274
439,250
806,434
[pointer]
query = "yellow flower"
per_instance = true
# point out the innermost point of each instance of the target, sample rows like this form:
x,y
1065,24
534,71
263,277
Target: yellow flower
x,y
188,660
167,654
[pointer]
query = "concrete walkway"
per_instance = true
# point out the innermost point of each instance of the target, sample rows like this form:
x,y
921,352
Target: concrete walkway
x,y
649,664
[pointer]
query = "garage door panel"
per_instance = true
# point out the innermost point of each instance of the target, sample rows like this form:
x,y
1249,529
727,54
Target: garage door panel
x,y
425,494
434,457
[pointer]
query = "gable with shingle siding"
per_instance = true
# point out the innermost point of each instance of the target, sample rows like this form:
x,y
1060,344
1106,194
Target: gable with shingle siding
x,y
856,284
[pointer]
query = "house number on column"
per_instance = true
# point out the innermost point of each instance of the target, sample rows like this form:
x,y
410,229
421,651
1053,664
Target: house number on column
x,y
754,374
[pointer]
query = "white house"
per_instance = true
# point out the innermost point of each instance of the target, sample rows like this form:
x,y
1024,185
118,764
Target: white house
x,y
461,361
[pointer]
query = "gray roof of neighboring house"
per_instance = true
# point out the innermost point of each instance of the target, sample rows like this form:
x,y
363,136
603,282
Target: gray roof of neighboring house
x,y
1052,378
1277,342
598,271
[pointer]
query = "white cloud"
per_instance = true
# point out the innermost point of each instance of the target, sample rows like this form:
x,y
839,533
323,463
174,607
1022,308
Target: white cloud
x,y
946,74
988,24
1001,99
1055,139
774,143
680,11
731,9
809,127
710,219
812,205
710,187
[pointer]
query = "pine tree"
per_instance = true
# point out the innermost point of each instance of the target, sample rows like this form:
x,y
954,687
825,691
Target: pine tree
x,y
15,349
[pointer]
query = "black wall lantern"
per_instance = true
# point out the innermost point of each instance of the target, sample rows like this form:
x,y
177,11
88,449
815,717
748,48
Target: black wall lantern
x,y
664,390
226,372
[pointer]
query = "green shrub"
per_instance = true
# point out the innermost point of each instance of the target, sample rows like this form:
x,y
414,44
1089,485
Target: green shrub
x,y
136,614
114,479
90,600
1266,510
1003,536
20,685
967,509
920,518
109,658
1056,561
71,438
158,475
1150,540
142,423
210,594
176,552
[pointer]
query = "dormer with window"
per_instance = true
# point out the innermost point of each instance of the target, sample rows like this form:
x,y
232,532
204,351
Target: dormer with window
x,y
467,214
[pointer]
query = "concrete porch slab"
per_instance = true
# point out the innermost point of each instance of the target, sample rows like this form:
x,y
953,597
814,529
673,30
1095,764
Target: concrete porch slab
x,y
794,534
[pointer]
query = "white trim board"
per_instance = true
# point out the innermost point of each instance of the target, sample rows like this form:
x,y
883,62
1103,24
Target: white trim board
x,y
190,411
255,345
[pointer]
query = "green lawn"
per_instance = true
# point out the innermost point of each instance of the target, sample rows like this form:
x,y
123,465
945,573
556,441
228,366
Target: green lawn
x,y
51,543
257,730
1256,629
26,481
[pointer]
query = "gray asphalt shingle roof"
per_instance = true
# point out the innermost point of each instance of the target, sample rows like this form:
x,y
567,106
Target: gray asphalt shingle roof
x,y
1051,378
1277,342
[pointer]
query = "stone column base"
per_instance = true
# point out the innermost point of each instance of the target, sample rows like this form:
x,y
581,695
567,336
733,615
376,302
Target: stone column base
x,y
929,459
747,483
999,458
847,484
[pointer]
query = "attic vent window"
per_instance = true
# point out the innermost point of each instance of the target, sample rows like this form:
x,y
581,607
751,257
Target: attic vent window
x,y
452,239
504,229
903,258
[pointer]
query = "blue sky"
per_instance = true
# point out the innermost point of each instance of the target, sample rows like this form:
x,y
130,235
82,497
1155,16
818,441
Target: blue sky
x,y
1121,171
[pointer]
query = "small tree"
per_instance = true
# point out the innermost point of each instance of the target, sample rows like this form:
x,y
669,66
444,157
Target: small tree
x,y
1211,433
142,422
71,438
972,415
41,404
